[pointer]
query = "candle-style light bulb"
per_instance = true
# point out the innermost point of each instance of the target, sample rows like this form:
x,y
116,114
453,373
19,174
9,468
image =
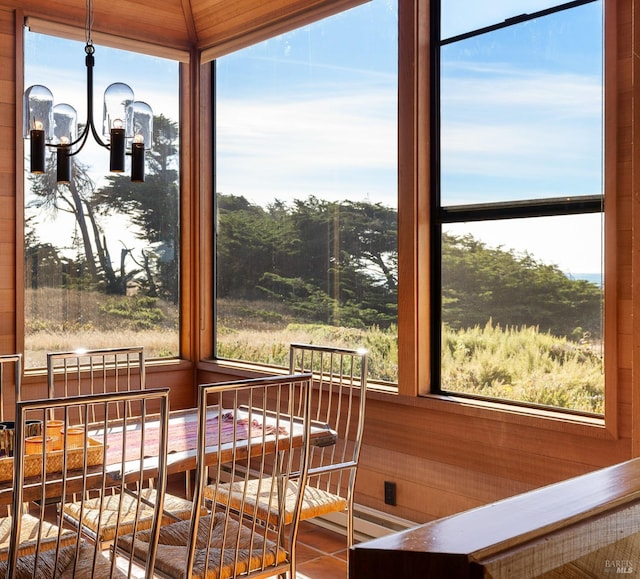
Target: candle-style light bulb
x,y
37,147
117,138
137,158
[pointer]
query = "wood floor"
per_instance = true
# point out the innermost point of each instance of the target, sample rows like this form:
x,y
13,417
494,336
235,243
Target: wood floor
x,y
321,554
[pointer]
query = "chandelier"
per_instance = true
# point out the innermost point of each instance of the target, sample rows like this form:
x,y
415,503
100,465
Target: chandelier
x,y
127,124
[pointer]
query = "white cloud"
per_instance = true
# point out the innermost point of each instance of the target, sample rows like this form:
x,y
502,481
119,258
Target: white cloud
x,y
573,243
515,124
335,147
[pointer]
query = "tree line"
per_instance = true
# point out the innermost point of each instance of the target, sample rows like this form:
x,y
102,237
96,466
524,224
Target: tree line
x,y
337,263
83,258
328,262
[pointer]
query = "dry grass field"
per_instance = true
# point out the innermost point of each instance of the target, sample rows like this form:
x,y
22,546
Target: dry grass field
x,y
58,320
515,363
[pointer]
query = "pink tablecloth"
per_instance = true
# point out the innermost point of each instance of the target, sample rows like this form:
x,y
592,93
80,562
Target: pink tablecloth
x,y
183,436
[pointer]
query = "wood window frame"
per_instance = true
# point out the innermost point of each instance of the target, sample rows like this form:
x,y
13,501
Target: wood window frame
x,y
189,77
414,238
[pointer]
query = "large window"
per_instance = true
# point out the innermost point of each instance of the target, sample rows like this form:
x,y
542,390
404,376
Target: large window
x,y
101,252
518,204
306,191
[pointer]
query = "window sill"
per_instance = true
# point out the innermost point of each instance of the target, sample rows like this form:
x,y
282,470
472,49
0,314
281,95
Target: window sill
x,y
502,412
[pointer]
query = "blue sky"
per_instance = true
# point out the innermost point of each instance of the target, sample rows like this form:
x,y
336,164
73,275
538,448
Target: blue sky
x,y
522,119
313,112
59,64
522,110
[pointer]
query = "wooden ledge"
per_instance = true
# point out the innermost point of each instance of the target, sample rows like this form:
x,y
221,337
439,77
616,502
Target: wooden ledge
x,y
534,532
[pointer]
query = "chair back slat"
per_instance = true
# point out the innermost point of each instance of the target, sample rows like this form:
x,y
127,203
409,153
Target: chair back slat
x,y
95,371
338,398
111,453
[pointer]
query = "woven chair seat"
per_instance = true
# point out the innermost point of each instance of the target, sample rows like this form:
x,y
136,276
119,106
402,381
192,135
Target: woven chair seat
x,y
86,565
315,501
174,541
106,513
29,529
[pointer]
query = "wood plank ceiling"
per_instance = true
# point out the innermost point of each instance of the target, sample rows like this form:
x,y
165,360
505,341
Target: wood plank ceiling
x,y
180,24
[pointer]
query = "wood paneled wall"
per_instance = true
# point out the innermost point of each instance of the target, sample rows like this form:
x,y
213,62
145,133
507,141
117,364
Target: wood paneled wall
x,y
444,455
7,182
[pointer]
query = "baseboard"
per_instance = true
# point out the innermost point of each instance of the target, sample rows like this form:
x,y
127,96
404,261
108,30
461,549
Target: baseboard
x,y
368,523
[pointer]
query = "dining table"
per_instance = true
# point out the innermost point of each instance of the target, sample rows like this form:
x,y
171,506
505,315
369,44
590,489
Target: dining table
x,y
181,449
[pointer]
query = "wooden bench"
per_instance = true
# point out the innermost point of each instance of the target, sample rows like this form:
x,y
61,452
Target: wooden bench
x,y
587,526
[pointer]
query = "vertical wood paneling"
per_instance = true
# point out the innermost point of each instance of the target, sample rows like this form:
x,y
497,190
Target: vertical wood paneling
x,y
7,182
443,457
630,99
513,451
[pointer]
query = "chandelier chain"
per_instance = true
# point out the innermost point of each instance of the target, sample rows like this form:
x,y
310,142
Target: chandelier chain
x,y
89,22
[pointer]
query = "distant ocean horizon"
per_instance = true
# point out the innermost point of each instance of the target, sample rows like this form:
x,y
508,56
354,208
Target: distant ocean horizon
x,y
596,278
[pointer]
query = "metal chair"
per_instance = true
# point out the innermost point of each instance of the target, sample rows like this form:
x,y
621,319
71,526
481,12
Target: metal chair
x,y
10,383
109,455
240,441
338,398
100,371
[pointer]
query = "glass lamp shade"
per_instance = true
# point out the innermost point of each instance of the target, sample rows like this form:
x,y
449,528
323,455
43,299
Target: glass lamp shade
x,y
143,123
65,121
38,111
118,109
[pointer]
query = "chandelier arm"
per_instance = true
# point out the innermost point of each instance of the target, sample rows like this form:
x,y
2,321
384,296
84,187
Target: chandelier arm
x,y
97,138
89,61
81,138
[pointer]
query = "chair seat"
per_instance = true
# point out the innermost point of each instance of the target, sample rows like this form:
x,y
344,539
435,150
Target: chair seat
x,y
29,528
315,502
174,541
108,520
86,564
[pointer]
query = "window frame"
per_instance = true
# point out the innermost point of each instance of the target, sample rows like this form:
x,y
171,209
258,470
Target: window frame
x,y
415,317
483,211
415,92
209,60
187,75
